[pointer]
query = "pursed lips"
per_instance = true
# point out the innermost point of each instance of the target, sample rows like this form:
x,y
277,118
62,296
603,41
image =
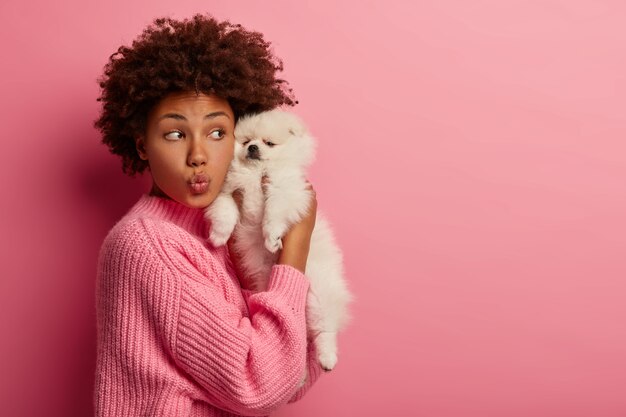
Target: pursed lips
x,y
199,183
199,178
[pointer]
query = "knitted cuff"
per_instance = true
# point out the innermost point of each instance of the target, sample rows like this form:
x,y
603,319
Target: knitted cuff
x,y
288,282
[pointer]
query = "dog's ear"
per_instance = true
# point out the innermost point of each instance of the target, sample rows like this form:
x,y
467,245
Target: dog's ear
x,y
296,127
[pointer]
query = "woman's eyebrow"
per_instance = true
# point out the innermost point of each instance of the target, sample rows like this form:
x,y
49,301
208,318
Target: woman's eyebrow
x,y
215,114
172,116
181,117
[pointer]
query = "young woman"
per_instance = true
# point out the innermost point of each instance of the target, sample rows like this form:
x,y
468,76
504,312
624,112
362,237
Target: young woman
x,y
179,334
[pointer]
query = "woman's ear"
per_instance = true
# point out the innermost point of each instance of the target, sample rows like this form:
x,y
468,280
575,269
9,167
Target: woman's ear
x,y
140,145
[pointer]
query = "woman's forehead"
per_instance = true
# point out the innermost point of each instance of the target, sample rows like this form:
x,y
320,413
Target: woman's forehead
x,y
186,105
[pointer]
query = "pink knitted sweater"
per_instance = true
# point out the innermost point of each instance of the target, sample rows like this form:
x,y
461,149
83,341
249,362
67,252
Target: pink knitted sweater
x,y
177,336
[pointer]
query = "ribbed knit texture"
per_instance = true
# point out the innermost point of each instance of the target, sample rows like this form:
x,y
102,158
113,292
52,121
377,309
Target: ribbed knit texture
x,y
177,336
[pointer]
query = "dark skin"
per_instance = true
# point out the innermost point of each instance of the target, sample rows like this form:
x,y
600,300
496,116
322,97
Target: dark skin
x,y
296,241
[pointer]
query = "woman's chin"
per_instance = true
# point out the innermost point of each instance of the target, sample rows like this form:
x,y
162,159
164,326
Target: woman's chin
x,y
198,201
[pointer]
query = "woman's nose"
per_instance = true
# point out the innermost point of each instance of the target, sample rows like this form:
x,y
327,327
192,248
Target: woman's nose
x,y
197,154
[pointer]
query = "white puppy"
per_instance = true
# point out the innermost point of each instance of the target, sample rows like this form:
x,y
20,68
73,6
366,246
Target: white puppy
x,y
276,143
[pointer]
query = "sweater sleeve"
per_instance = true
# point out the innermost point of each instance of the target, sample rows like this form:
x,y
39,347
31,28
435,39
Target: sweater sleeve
x,y
313,368
245,365
314,371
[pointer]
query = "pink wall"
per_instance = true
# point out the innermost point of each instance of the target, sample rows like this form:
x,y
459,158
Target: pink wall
x,y
472,161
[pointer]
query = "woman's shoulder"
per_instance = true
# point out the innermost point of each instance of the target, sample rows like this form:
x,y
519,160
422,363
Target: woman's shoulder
x,y
143,242
136,232
130,236
163,231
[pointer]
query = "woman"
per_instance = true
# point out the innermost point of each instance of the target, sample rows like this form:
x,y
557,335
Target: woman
x,y
178,333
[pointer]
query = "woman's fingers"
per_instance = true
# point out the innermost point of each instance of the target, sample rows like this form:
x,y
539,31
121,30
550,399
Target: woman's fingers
x,y
309,186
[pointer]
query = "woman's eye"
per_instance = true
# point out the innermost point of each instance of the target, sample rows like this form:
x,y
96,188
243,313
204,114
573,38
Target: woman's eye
x,y
174,135
217,134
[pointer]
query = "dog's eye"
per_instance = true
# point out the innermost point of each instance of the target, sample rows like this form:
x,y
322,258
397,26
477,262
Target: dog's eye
x,y
270,144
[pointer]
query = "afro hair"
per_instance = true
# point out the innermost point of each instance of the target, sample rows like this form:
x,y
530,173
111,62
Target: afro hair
x,y
198,54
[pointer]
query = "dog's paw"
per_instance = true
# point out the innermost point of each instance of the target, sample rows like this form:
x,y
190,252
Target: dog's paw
x,y
273,244
327,360
217,238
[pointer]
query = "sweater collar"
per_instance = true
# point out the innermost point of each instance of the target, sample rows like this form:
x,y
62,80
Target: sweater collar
x,y
190,219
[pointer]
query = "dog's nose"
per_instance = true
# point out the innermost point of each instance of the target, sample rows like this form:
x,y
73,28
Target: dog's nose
x,y
253,152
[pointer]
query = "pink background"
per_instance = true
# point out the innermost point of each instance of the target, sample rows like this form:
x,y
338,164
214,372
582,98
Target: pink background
x,y
472,161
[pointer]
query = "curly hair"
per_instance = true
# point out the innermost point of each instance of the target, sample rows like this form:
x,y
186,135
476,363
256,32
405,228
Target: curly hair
x,y
198,54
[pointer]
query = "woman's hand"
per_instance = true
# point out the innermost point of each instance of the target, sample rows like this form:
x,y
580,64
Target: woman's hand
x,y
296,241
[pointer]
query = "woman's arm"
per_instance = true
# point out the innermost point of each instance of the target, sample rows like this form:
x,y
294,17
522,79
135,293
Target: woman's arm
x,y
246,362
295,251
314,371
297,240
247,365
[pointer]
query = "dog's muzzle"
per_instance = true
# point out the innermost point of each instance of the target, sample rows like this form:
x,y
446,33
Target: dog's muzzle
x,y
253,152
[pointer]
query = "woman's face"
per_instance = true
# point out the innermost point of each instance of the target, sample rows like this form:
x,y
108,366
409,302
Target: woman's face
x,y
189,144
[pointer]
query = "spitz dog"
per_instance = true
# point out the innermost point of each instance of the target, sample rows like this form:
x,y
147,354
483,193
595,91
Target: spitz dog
x,y
276,144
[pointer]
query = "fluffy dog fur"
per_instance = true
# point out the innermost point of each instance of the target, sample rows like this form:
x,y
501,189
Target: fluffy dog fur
x,y
277,144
